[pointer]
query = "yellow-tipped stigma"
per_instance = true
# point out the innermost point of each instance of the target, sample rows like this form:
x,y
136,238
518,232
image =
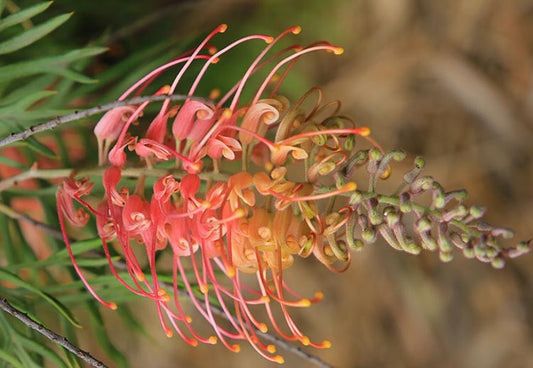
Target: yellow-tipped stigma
x,y
326,344
165,89
319,295
305,341
230,271
226,114
168,332
364,131
112,306
214,94
239,213
193,343
212,340
278,359
236,348
304,303
140,276
350,186
386,174
338,51
271,349
262,327
269,39
222,28
203,287
188,319
265,299
296,30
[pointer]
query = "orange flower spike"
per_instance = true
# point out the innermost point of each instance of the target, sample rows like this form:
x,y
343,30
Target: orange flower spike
x,y
259,115
238,184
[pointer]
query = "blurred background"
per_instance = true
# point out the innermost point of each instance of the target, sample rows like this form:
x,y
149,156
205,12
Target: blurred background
x,y
450,80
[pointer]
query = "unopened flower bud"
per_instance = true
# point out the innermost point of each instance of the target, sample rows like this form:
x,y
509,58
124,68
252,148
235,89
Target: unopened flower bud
x,y
446,256
456,213
405,202
458,195
374,215
477,212
503,232
442,238
389,237
438,196
391,216
498,262
421,184
369,236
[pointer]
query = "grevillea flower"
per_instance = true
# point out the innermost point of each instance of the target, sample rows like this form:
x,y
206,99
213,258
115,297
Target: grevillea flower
x,y
252,186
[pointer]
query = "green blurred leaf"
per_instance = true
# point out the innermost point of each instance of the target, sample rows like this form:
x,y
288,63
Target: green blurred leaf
x,y
30,36
103,337
35,145
73,75
61,256
42,350
46,65
23,15
17,281
9,162
7,357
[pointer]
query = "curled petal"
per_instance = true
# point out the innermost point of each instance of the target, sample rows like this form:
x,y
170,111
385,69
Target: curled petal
x,y
111,124
223,146
193,120
260,114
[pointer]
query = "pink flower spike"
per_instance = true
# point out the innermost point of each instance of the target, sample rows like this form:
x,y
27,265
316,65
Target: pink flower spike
x,y
293,30
110,305
110,180
213,59
154,73
77,217
109,127
327,47
158,127
223,146
136,215
193,120
146,147
190,184
220,29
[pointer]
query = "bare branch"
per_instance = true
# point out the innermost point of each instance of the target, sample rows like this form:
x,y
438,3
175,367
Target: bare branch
x,y
60,120
49,334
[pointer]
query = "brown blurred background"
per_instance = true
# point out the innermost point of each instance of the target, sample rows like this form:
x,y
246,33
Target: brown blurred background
x,y
453,81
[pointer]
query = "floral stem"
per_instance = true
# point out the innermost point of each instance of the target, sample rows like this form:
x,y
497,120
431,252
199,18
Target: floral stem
x,y
49,334
34,173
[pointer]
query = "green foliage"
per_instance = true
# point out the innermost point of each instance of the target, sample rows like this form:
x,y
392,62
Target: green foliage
x,y
28,84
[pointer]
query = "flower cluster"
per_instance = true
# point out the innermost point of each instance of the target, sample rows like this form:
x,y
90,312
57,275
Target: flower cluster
x,y
248,187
